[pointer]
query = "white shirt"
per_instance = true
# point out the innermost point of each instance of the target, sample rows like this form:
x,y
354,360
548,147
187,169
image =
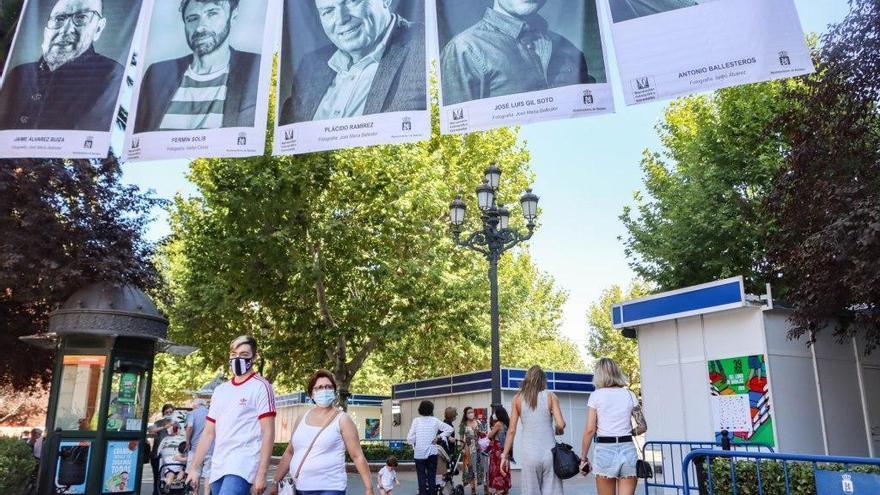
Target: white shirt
x,y
347,95
387,477
324,468
236,410
613,407
422,433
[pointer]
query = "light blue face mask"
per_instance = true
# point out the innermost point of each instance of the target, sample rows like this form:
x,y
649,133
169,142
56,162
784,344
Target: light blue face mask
x,y
324,398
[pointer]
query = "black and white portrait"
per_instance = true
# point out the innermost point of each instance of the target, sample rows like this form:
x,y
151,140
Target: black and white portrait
x,y
491,48
66,68
624,10
203,65
347,58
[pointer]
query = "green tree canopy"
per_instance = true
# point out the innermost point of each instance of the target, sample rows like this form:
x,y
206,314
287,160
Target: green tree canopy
x,y
331,258
606,341
704,216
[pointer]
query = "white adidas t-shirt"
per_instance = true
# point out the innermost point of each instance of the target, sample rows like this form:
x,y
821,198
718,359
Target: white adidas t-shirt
x,y
236,410
613,407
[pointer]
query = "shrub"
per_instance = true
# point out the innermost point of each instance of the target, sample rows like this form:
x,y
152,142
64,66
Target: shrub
x,y
16,465
800,476
279,448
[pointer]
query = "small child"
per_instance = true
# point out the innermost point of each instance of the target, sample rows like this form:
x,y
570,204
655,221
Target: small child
x,y
176,472
388,476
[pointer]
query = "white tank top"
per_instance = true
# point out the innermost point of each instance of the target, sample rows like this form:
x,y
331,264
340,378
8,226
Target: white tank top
x,y
324,468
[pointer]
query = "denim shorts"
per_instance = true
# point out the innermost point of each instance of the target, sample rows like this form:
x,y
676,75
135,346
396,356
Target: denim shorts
x,y
615,460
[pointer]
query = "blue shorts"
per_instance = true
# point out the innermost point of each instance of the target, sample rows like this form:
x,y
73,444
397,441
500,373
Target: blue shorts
x,y
615,460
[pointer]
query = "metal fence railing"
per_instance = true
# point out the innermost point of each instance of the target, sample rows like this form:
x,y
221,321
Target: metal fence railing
x,y
770,473
666,458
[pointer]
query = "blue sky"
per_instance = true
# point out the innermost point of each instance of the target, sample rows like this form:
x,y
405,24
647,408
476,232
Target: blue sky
x,y
587,170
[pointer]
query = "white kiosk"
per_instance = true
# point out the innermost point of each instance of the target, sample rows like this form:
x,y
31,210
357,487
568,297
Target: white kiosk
x,y
474,390
714,358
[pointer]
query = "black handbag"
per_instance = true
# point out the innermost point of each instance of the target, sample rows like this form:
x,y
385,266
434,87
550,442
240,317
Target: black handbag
x,y
566,463
644,469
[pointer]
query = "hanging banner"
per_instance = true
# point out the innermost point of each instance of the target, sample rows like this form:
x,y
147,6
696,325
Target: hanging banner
x,y
352,78
203,84
60,89
512,62
668,48
741,399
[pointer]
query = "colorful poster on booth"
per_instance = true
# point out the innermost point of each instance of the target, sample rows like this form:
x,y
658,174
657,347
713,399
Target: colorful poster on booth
x,y
60,89
741,399
372,430
71,470
120,466
669,48
510,63
351,74
202,88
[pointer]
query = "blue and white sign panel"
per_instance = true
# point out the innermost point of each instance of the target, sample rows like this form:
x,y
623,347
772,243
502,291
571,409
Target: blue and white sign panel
x,y
481,381
696,300
837,483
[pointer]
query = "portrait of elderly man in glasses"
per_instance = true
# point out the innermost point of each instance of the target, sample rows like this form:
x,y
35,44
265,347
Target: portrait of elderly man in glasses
x,y
214,86
510,50
375,63
71,87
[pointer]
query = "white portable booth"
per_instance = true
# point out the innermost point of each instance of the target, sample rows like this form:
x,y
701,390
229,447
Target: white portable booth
x,y
365,410
474,390
714,358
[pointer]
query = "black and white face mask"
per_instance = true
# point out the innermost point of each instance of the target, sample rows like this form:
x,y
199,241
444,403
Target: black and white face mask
x,y
240,365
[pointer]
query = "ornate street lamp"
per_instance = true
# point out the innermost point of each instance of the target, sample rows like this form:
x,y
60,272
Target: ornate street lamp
x,y
492,241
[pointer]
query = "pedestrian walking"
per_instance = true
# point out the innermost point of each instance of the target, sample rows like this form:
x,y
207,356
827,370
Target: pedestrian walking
x,y
424,433
387,476
609,412
498,480
161,430
195,426
448,445
469,432
315,455
538,410
241,426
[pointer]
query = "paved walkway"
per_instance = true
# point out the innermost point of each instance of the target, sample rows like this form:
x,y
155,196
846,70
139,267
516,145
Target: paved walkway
x,y
579,485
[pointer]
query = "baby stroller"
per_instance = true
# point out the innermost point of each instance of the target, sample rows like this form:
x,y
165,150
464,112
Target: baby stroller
x,y
169,449
452,456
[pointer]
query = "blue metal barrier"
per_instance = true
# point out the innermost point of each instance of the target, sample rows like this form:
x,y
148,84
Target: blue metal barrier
x,y
666,458
779,474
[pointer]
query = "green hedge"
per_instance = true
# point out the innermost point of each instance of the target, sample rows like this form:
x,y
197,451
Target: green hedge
x,y
800,474
16,465
374,451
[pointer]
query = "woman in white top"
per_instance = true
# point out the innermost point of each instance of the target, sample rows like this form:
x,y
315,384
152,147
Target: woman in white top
x,y
608,419
538,410
321,470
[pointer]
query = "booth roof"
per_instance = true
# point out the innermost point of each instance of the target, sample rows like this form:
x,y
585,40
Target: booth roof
x,y
480,381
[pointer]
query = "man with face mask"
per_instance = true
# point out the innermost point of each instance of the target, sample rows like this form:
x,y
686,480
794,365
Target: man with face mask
x,y
215,86
374,64
510,50
71,87
241,426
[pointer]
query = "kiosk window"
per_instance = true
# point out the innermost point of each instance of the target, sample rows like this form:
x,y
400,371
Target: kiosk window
x,y
80,393
127,392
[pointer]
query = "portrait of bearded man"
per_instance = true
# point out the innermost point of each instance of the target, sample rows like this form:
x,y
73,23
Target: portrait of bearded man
x,y
214,86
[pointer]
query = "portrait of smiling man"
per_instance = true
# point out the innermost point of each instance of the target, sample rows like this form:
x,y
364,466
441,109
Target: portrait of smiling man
x,y
510,50
374,63
214,86
71,86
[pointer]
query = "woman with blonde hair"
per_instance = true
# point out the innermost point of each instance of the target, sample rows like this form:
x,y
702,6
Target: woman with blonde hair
x,y
608,419
538,409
